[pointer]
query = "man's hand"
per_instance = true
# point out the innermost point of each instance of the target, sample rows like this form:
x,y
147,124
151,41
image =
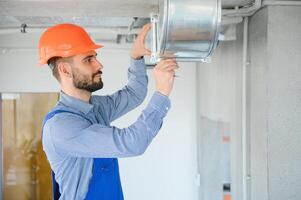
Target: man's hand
x,y
139,49
164,73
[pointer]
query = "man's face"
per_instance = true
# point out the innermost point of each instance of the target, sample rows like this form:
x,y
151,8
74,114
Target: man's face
x,y
86,72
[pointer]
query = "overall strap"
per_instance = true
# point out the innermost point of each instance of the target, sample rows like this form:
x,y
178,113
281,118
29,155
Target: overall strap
x,y
54,112
55,186
105,182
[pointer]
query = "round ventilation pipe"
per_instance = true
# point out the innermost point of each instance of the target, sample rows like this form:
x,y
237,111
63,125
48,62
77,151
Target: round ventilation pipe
x,y
186,30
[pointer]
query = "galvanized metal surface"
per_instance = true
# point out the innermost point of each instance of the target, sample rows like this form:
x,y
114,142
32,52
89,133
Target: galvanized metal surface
x,y
186,30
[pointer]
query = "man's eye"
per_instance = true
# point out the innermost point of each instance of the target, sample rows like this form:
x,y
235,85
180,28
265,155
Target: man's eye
x,y
90,59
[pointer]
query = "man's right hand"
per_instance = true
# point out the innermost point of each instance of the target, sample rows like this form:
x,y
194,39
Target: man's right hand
x,y
164,73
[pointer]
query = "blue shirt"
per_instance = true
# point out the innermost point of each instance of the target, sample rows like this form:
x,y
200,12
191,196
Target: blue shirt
x,y
71,142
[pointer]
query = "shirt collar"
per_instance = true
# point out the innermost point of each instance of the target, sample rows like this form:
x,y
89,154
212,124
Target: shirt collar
x,y
75,103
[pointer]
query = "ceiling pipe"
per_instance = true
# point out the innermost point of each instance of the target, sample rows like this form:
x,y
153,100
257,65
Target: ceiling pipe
x,y
243,12
281,3
34,29
231,20
257,4
244,134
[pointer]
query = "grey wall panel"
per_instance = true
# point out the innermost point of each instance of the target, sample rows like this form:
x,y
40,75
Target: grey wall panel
x,y
284,102
275,103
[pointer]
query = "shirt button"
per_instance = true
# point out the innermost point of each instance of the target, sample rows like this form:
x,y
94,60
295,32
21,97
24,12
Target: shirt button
x,y
166,108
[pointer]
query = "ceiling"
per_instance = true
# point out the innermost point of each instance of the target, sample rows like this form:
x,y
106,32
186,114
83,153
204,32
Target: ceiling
x,y
114,13
112,18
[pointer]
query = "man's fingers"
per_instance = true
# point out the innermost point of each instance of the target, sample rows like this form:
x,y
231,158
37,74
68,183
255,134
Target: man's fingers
x,y
162,62
171,68
168,69
139,46
172,74
169,64
142,34
144,31
147,52
168,61
143,37
146,27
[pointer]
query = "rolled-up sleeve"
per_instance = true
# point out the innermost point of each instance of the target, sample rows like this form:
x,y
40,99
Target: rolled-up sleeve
x,y
73,136
130,96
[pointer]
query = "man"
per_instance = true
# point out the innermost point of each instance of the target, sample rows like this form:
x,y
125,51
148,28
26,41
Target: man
x,y
80,144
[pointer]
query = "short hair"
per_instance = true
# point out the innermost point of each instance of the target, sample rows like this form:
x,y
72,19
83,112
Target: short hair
x,y
53,63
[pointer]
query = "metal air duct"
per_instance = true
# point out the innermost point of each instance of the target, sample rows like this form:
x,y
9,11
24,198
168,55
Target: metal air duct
x,y
185,30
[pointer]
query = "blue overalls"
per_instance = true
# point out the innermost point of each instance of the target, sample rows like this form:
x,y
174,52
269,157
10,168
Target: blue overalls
x,y
105,182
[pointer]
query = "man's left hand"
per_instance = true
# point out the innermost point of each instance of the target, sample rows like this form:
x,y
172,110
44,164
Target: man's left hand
x,y
139,49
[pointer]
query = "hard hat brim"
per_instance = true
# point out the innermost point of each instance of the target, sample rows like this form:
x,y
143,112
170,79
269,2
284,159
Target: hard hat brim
x,y
73,53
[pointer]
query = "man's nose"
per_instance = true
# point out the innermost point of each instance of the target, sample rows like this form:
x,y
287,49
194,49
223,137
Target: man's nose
x,y
99,65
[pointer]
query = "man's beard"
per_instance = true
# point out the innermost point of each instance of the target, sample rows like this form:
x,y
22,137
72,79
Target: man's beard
x,y
85,82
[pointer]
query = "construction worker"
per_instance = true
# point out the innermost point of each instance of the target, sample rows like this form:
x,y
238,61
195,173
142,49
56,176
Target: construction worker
x,y
80,144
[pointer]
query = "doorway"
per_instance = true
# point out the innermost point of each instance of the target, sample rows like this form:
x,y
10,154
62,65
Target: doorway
x,y
26,174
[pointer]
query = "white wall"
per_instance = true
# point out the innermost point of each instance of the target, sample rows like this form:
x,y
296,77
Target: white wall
x,y
168,168
219,99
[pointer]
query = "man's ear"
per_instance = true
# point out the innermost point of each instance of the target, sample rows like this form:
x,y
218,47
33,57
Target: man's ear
x,y
64,69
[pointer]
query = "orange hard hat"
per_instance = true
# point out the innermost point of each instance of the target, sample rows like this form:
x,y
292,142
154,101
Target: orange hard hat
x,y
64,40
